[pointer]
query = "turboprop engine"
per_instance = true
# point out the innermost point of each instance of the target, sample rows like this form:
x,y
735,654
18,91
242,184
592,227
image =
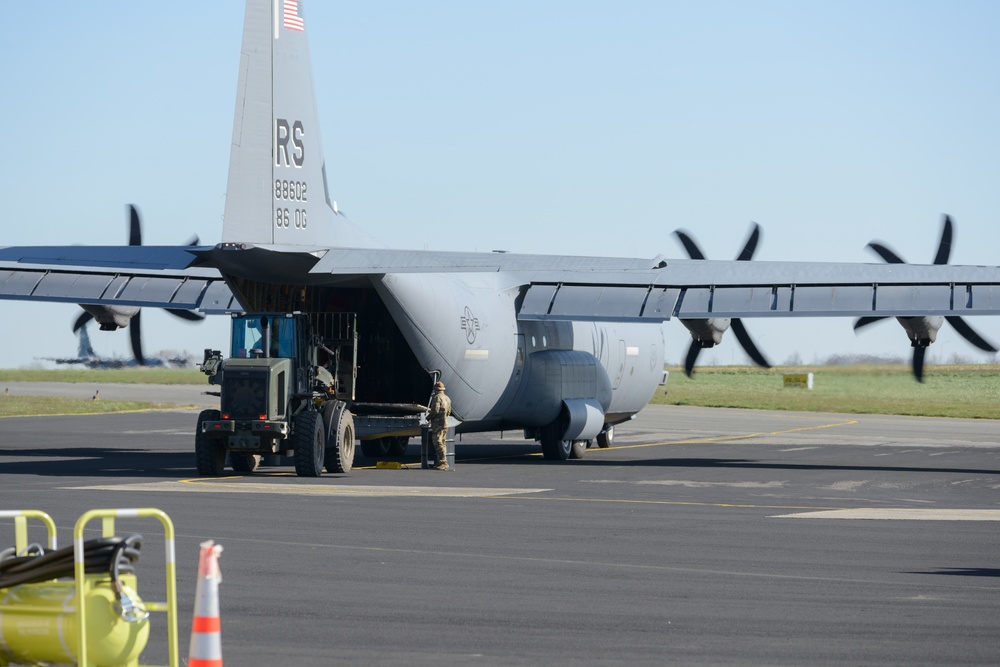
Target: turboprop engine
x,y
922,331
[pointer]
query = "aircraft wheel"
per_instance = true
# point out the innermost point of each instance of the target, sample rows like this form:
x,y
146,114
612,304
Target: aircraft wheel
x,y
340,437
606,438
397,445
375,449
578,448
243,462
209,451
309,442
554,448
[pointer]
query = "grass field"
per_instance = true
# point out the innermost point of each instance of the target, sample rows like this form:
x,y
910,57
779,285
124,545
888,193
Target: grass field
x,y
14,406
971,391
107,375
948,391
21,406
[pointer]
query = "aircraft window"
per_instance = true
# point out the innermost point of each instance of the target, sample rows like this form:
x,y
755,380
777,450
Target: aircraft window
x,y
532,341
545,343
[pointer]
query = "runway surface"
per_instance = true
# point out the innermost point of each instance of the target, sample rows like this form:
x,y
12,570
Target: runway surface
x,y
704,537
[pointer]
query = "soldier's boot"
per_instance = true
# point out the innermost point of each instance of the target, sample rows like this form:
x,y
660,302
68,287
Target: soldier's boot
x,y
440,457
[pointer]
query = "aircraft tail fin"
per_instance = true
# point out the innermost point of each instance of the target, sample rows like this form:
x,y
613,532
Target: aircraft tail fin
x,y
277,191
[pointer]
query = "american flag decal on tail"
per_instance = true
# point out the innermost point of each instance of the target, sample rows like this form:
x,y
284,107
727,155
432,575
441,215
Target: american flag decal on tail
x,y
292,20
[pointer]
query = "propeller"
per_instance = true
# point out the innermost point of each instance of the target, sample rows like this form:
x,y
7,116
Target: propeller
x,y
135,322
923,330
708,332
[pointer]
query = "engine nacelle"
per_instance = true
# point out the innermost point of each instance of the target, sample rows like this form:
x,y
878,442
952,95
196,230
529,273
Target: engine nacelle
x,y
707,332
111,317
922,331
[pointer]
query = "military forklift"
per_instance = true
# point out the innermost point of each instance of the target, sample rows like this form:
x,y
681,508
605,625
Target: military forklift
x,y
284,391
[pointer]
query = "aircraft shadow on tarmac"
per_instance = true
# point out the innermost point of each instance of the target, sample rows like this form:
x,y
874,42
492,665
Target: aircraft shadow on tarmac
x,y
964,572
117,462
98,462
527,454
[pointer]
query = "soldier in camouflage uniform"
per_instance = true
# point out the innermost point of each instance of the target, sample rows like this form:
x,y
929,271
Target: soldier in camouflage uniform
x,y
439,410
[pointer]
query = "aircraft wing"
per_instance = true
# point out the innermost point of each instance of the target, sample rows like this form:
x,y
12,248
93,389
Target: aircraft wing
x,y
157,276
602,288
554,287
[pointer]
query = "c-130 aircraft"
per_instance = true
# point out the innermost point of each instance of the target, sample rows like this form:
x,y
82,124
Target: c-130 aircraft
x,y
562,347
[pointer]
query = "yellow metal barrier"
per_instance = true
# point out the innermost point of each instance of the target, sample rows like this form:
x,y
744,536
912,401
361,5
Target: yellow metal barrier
x,y
108,517
21,526
46,608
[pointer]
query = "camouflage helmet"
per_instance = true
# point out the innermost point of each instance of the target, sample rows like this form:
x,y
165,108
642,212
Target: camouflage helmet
x,y
439,386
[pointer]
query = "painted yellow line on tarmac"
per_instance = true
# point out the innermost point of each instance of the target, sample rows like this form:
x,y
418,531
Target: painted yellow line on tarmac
x,y
899,514
221,486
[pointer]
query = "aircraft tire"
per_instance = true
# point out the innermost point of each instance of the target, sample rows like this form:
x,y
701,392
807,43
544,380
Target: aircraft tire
x,y
554,448
578,449
397,445
339,456
243,462
375,449
209,451
606,438
309,442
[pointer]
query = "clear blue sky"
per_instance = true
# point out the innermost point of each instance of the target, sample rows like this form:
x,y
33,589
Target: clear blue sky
x,y
535,126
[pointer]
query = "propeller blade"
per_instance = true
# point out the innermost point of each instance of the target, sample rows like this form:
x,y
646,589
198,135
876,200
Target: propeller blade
x,y
750,247
134,227
693,251
692,357
865,321
747,343
135,335
944,245
918,362
188,315
81,320
194,240
887,255
969,334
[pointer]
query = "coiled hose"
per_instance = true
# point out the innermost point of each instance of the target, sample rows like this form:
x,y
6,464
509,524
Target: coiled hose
x,y
113,555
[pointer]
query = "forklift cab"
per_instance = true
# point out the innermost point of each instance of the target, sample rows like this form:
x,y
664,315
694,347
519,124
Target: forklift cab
x,y
268,336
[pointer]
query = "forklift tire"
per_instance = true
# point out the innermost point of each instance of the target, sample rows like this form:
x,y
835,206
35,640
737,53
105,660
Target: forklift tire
x,y
309,442
209,451
340,437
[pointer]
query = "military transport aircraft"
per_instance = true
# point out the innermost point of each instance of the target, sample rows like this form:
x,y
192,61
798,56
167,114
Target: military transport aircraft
x,y
561,347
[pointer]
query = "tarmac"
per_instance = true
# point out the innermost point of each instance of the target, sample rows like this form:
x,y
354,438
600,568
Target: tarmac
x,y
703,537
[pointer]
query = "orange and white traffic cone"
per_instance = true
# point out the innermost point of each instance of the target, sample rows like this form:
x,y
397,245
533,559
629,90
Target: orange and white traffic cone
x,y
206,637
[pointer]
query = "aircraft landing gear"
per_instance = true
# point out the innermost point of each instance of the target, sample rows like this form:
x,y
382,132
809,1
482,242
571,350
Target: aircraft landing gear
x,y
579,448
243,462
380,448
554,448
